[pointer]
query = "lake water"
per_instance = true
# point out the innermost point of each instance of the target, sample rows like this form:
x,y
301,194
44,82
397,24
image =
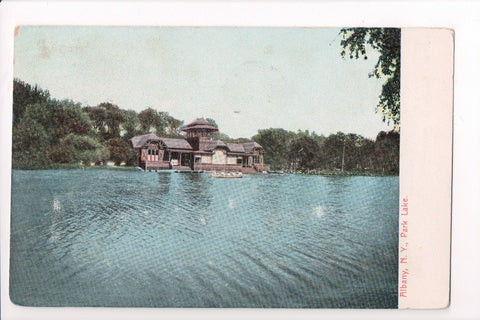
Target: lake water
x,y
134,239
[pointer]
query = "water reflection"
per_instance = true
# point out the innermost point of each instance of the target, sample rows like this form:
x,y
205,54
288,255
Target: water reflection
x,y
164,181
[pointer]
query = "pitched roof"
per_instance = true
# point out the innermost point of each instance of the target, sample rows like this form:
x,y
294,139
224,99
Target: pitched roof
x,y
249,146
236,147
176,143
139,141
216,144
199,123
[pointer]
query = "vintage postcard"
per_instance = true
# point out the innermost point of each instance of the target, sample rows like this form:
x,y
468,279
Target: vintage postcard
x,y
230,167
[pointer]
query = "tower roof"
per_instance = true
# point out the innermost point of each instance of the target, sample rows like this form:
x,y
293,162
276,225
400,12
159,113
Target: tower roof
x,y
199,123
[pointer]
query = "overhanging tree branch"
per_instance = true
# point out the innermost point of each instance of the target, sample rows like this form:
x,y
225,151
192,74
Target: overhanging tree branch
x,y
386,41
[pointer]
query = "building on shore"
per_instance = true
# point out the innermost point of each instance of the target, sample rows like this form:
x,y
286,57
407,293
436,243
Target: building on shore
x,y
198,151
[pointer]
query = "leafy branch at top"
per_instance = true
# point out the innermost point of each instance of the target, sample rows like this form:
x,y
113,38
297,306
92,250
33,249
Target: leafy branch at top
x,y
386,41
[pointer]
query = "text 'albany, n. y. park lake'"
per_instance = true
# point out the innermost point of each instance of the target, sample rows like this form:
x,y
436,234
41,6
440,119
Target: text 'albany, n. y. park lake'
x,y
130,238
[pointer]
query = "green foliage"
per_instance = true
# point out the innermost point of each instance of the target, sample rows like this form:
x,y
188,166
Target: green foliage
x,y
23,95
333,151
78,149
131,156
173,128
307,152
275,144
386,41
30,145
130,127
130,124
304,152
151,120
106,120
212,122
60,118
160,123
241,140
387,150
218,135
118,151
50,133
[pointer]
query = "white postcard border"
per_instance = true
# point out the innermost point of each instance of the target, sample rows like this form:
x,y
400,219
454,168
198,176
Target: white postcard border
x,y
425,168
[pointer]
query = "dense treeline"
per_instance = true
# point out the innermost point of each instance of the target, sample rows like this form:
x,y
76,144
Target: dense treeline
x,y
49,133
309,152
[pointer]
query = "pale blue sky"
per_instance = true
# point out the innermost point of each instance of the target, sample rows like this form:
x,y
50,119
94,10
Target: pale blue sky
x,y
244,78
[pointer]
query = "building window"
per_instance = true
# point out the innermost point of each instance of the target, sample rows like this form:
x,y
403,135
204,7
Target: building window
x,y
152,152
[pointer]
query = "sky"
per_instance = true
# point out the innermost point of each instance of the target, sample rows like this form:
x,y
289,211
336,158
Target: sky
x,y
244,78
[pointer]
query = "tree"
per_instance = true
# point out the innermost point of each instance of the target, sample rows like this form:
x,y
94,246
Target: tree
x,y
386,41
30,144
151,120
76,148
23,95
51,132
352,156
275,144
212,122
367,155
129,124
173,129
118,150
387,151
114,117
304,152
333,150
106,118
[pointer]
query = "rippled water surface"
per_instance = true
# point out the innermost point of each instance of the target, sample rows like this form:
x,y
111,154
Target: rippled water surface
x,y
128,238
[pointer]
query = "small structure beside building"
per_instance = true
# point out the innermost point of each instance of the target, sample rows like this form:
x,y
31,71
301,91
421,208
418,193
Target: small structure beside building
x,y
198,152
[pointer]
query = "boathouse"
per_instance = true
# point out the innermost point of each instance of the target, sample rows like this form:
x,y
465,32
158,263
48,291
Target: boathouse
x,y
198,151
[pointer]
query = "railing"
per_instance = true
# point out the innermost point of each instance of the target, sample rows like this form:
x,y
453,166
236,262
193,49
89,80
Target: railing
x,y
156,164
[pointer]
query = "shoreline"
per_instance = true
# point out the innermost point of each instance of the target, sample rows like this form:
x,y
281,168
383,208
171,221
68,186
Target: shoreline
x,y
335,173
327,173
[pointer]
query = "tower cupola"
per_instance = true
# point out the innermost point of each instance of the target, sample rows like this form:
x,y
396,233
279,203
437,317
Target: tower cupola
x,y
199,133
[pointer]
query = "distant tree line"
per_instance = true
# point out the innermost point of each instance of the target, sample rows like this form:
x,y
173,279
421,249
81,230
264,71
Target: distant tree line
x,y
308,152
50,133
